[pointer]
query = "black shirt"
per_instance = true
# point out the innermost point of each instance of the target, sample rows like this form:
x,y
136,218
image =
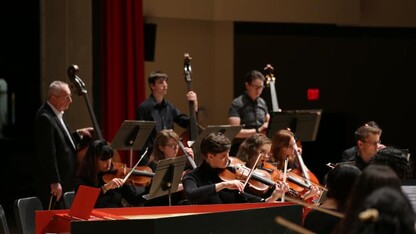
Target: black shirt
x,y
165,114
252,113
352,156
113,197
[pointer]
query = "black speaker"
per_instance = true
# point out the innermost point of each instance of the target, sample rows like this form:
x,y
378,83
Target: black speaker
x,y
149,41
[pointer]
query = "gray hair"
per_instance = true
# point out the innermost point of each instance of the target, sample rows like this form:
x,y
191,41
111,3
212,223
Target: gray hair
x,y
55,88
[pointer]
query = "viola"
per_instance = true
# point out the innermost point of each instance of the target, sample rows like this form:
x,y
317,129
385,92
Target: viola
x,y
141,175
259,183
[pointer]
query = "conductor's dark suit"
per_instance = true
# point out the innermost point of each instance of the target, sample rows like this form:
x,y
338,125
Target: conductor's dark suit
x,y
55,155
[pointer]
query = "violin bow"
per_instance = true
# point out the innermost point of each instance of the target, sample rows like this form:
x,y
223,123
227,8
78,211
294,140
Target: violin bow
x,y
312,206
284,177
303,167
190,160
132,169
50,202
292,226
251,170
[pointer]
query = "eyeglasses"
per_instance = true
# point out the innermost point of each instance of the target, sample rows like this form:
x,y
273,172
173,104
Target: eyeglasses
x,y
257,86
173,145
372,143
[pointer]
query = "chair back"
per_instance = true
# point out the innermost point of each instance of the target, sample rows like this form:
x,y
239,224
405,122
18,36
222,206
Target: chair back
x,y
68,198
24,211
4,228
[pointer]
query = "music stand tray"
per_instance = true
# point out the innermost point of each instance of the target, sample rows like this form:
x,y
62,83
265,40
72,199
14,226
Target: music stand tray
x,y
167,177
132,135
229,131
303,123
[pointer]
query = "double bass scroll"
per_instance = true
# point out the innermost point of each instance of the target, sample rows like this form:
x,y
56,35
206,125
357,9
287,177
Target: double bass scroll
x,y
81,90
192,115
270,81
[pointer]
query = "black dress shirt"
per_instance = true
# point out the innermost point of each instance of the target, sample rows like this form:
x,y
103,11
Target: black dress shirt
x,y
352,156
252,113
165,114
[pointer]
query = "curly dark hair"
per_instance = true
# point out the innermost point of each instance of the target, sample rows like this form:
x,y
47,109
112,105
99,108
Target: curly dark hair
x,y
394,158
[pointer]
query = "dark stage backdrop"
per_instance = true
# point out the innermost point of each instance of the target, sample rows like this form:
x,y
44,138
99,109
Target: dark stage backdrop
x,y
362,74
20,68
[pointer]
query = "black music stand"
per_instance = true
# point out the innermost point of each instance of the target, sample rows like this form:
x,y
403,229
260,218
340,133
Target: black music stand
x,y
167,177
229,131
303,123
132,135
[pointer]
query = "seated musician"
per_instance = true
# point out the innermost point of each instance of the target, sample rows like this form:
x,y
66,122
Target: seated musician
x,y
283,147
204,184
254,146
367,143
166,146
115,192
339,182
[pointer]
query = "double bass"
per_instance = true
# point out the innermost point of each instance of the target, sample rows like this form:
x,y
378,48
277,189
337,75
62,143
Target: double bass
x,y
270,81
80,89
194,129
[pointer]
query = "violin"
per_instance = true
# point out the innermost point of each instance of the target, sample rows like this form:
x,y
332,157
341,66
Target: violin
x,y
259,183
297,184
141,175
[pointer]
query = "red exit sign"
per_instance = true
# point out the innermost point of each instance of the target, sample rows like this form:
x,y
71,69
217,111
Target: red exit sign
x,y
313,94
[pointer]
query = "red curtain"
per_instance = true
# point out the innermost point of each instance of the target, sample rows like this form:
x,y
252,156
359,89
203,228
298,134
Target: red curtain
x,y
123,85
